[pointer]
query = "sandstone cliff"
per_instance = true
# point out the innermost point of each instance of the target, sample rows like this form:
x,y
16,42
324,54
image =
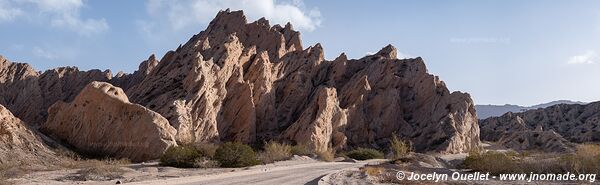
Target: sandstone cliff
x,y
100,121
576,123
29,94
19,145
251,82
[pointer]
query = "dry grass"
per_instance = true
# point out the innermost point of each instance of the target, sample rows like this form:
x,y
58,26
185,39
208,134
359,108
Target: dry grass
x,y
207,149
399,147
18,169
302,150
91,169
492,162
99,170
372,170
327,155
585,160
275,151
365,154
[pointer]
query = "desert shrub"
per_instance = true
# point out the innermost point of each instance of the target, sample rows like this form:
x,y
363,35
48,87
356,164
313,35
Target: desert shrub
x,y
585,160
301,149
399,148
492,162
207,149
236,154
98,170
183,156
275,152
326,155
373,170
364,154
205,162
99,173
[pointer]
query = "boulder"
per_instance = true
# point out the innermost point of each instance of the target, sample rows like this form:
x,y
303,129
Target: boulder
x,y
101,121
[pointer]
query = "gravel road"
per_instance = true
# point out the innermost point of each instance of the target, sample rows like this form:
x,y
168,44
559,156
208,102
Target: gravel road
x,y
306,173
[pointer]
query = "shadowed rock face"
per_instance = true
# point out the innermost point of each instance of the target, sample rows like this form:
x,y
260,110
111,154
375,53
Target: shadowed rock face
x,y
252,82
100,121
574,123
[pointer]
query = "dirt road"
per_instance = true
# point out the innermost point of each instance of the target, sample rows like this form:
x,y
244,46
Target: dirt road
x,y
307,173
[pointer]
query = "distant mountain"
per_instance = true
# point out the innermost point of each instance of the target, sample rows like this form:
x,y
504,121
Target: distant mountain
x,y
486,111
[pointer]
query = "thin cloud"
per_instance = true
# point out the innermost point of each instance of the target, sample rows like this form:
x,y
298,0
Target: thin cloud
x,y
186,13
589,57
8,12
61,13
42,53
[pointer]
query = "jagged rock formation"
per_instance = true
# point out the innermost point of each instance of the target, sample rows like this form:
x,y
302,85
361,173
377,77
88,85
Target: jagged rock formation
x,y
20,89
125,81
251,82
100,121
29,94
19,145
548,141
576,123
321,124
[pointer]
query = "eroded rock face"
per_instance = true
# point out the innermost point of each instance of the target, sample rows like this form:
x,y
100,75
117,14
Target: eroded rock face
x,y
575,123
321,125
125,81
29,94
251,82
19,145
548,141
101,121
20,89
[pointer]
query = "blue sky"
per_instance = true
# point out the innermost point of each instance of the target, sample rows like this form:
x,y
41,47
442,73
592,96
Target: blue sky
x,y
517,52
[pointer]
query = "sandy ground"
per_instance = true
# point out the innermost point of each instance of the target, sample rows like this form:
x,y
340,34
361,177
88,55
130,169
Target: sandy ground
x,y
299,170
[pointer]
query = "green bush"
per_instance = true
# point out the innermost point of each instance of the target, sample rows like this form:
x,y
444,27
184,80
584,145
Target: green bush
x,y
364,154
275,152
399,148
181,156
236,155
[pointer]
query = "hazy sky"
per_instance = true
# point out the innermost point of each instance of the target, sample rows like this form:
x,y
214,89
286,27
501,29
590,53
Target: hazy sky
x,y
518,52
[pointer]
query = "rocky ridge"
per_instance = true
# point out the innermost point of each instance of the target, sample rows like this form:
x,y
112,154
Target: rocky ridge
x,y
252,82
564,123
